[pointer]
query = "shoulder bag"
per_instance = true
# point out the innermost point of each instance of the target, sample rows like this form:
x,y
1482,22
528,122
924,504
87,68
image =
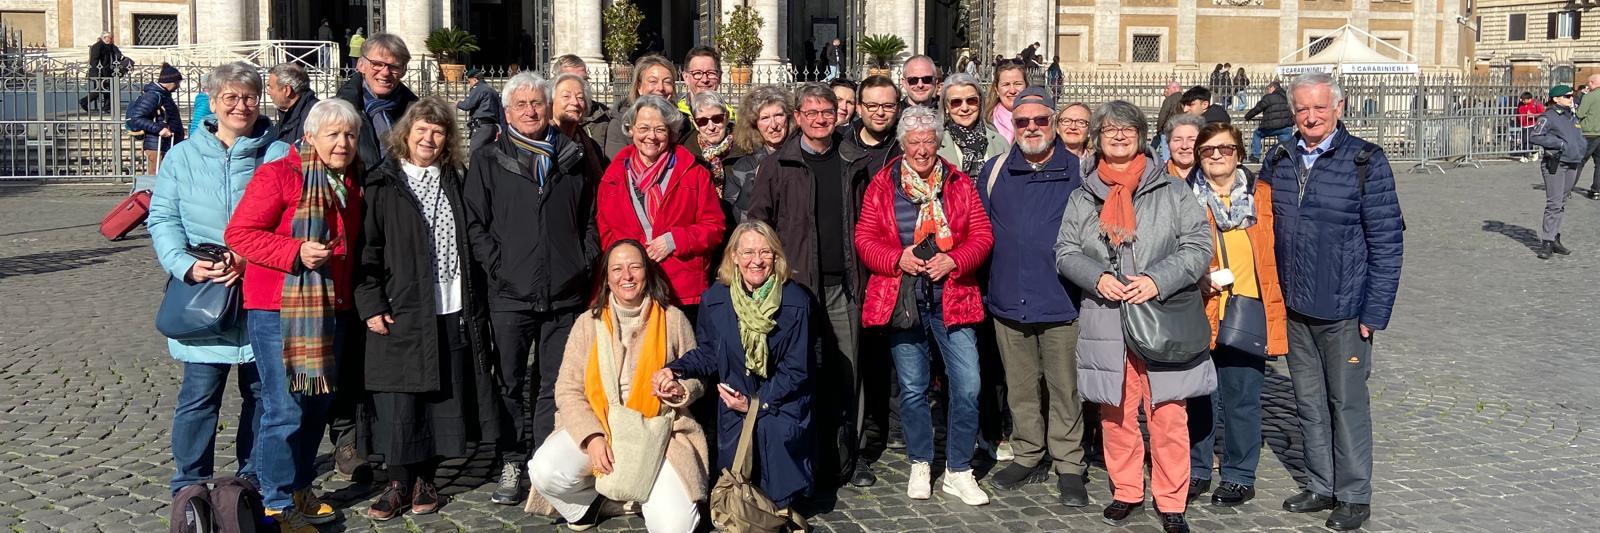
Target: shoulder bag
x,y
1168,334
638,444
737,504
1244,319
202,310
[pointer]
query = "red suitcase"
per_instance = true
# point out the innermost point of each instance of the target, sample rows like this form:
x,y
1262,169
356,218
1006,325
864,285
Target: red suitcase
x,y
127,215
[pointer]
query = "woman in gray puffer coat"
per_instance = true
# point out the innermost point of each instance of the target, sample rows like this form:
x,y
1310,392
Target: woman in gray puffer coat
x,y
1128,201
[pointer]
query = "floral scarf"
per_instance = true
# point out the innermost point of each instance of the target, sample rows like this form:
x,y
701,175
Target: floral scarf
x,y
713,156
1240,213
924,192
972,142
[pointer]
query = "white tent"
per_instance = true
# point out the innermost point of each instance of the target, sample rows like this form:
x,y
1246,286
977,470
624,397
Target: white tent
x,y
1348,53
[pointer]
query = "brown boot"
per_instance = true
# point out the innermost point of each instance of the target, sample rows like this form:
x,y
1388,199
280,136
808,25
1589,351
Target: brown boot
x,y
392,503
425,498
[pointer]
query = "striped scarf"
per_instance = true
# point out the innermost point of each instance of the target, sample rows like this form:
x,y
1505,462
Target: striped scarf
x,y
646,180
543,152
924,192
308,295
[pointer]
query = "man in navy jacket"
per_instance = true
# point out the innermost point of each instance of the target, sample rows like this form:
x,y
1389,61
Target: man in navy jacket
x,y
1339,241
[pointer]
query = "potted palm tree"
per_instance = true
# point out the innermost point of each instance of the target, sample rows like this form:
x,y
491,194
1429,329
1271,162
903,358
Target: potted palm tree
x,y
449,45
882,49
739,41
621,24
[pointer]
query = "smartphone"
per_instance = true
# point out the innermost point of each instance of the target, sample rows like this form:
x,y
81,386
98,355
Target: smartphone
x,y
215,253
926,249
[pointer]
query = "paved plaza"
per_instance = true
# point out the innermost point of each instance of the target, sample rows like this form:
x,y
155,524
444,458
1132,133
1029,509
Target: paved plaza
x,y
1486,389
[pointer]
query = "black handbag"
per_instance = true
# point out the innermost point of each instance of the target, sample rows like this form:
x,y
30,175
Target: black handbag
x,y
1168,334
905,314
201,310
1244,319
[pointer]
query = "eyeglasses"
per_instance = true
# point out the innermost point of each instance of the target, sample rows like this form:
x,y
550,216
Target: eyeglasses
x,y
376,65
877,108
1118,131
970,101
747,255
1021,123
707,121
233,99
524,105
1074,123
1225,150
813,114
703,74
919,80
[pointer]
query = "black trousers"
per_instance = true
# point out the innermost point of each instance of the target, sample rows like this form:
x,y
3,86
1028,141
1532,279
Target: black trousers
x,y
351,383
515,332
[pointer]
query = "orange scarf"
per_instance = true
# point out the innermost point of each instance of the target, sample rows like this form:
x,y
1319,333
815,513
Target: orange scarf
x,y
652,356
1116,218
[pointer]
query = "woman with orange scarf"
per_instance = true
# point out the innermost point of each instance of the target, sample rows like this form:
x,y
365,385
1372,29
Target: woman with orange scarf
x,y
1131,234
604,394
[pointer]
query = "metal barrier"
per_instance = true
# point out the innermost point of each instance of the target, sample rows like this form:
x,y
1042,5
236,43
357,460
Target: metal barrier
x,y
82,150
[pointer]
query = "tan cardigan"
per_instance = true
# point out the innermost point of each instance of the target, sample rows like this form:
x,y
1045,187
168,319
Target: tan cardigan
x,y
686,451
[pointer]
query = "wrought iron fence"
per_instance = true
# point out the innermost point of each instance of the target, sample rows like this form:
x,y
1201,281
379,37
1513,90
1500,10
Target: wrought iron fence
x,y
68,150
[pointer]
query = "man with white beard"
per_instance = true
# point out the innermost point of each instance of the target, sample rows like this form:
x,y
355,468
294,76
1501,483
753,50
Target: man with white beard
x,y
1035,311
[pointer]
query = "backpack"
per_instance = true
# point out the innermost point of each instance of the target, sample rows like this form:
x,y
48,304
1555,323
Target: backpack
x,y
219,505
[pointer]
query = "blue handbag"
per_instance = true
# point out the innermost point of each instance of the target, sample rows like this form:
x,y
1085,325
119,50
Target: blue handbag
x,y
199,311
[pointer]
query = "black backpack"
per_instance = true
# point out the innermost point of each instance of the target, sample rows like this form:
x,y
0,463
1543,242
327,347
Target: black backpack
x,y
219,505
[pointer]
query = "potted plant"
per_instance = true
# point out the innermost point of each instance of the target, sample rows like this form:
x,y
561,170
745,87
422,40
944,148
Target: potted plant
x,y
621,22
449,45
739,41
881,49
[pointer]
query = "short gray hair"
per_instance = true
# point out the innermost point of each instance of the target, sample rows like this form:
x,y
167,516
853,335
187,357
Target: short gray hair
x,y
815,90
960,79
525,80
1119,113
918,118
292,75
235,73
1313,79
329,112
390,43
570,61
708,99
1183,119
669,113
582,84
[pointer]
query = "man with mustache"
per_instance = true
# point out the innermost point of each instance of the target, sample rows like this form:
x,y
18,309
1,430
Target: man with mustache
x,y
379,94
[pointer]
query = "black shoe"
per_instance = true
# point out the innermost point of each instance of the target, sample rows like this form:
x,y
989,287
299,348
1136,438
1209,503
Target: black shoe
x,y
1593,194
1198,486
896,440
1117,513
1348,516
1230,494
509,491
1308,502
1557,247
1173,523
1544,249
425,498
863,477
1015,475
1072,489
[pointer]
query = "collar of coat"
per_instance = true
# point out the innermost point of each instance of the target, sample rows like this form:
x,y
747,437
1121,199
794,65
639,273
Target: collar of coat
x,y
1155,176
352,91
391,173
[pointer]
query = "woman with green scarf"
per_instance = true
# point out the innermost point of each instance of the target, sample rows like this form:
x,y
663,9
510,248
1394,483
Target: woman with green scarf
x,y
752,334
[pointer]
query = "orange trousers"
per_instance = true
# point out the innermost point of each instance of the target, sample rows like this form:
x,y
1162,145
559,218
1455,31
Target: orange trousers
x,y
1124,446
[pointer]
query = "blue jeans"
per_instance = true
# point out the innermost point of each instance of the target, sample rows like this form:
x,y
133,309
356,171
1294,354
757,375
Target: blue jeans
x,y
291,422
1285,136
1161,148
194,421
960,348
833,72
1237,402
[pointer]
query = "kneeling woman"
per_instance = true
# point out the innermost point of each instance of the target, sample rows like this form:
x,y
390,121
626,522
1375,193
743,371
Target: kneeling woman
x,y
630,334
753,337
427,327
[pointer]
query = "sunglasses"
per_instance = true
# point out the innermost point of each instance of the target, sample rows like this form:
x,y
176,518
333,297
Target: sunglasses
x,y
707,121
970,101
1225,150
919,80
1022,122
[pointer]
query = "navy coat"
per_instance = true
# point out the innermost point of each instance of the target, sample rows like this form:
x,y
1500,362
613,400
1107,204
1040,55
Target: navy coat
x,y
1339,251
153,110
783,445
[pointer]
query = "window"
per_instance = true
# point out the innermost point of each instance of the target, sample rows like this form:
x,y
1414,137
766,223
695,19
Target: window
x,y
1069,47
1477,29
1563,25
1517,27
1318,44
1146,48
155,30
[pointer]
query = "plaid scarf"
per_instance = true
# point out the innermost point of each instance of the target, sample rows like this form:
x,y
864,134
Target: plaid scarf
x,y
308,295
543,152
924,192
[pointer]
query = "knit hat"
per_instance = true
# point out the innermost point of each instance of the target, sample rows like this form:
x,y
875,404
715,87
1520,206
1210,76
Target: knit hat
x,y
1560,90
1035,95
169,74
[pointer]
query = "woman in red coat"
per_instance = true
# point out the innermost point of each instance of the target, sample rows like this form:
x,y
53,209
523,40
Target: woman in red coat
x,y
923,229
656,193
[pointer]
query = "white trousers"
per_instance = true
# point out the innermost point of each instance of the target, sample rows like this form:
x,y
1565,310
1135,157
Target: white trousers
x,y
561,473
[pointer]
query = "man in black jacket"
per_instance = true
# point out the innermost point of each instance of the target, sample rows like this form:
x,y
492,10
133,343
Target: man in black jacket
x,y
483,110
530,203
105,62
1276,120
378,94
290,90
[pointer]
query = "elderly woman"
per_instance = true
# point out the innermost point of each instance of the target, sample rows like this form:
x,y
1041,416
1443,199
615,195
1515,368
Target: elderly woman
x,y
655,192
427,351
1072,125
765,120
570,102
195,192
614,352
652,75
1182,130
296,225
712,142
968,141
1009,81
1128,195
1239,208
922,229
754,343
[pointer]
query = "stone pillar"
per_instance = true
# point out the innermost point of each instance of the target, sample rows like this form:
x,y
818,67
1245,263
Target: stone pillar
x,y
1019,23
216,21
774,31
898,17
1184,42
1289,28
411,20
1108,33
575,29
1361,14
87,23
1424,33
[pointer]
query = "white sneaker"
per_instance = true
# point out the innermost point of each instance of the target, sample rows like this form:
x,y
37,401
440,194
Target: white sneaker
x,y
921,478
962,485
1003,452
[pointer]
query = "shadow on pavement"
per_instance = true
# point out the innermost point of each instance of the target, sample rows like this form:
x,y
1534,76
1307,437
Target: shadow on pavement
x,y
1280,424
1524,236
47,262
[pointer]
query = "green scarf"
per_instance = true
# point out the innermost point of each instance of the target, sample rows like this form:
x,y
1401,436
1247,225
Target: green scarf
x,y
758,315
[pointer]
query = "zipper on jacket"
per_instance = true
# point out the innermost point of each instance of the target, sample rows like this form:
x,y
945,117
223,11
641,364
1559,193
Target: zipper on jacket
x,y
1304,176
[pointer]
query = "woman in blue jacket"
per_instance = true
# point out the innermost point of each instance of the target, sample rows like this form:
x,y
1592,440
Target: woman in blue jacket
x,y
156,114
753,342
194,196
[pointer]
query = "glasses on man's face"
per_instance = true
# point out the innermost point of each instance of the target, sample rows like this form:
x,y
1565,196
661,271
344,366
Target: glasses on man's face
x,y
878,108
234,99
376,65
704,74
814,114
919,80
1118,131
970,101
524,105
1022,123
747,254
1073,123
1225,150
707,121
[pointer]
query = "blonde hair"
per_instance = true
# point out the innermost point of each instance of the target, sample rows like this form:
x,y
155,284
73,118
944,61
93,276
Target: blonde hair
x,y
728,271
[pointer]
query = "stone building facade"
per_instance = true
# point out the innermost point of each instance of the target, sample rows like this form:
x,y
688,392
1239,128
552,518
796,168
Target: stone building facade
x,y
1560,38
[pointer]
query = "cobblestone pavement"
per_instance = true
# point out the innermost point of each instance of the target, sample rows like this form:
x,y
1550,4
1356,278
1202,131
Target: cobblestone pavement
x,y
1485,392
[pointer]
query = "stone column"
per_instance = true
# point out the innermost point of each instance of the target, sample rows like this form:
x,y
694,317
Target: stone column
x,y
1108,33
87,23
215,22
1019,23
1289,28
897,17
411,20
575,29
774,31
1184,42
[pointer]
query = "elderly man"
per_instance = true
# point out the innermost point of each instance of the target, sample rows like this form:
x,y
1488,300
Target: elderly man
x,y
105,61
379,94
1589,119
1035,311
812,196
598,119
529,201
483,110
1332,190
702,72
919,80
290,90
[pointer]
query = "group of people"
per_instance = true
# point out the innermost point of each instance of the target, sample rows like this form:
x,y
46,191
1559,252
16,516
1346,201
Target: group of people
x,y
574,289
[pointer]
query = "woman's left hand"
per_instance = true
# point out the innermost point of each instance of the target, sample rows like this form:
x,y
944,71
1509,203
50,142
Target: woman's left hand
x,y
940,266
732,398
667,386
1141,289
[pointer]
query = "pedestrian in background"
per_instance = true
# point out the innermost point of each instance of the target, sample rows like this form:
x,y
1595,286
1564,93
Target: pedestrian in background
x,y
484,110
290,90
1276,120
1589,119
1527,117
833,54
357,40
105,62
1557,131
156,114
1171,105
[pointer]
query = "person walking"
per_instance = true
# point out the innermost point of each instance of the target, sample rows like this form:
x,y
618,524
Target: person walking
x,y
105,62
1589,118
484,111
1276,120
290,90
156,114
1557,132
1320,202
833,54
357,40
